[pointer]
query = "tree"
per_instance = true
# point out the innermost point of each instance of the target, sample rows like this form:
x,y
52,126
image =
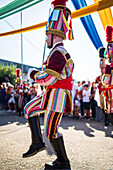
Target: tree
x,y
7,71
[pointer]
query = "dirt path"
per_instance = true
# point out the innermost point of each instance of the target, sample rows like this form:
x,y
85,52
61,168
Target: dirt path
x,y
89,144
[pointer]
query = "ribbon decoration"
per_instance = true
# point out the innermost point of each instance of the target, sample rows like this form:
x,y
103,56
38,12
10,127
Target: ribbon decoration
x,y
88,24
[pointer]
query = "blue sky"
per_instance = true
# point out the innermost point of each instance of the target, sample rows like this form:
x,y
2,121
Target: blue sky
x,y
81,49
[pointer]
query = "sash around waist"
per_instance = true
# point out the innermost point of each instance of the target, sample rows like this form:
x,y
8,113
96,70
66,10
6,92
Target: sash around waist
x,y
63,84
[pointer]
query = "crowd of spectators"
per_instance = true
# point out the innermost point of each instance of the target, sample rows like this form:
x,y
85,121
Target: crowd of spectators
x,y
84,101
13,98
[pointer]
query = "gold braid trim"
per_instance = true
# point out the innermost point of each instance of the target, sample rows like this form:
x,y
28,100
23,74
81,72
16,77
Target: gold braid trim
x,y
68,93
69,61
107,75
111,71
53,73
57,32
110,55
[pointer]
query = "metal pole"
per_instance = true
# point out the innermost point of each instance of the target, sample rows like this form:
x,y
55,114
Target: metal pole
x,y
45,43
21,45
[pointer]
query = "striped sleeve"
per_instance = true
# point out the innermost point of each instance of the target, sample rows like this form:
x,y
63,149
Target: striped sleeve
x,y
44,78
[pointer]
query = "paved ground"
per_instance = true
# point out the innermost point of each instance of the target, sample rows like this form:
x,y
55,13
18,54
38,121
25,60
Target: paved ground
x,y
89,144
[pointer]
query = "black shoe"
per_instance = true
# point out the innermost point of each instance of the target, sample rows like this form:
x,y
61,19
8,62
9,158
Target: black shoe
x,y
62,161
34,149
19,115
110,117
107,123
58,165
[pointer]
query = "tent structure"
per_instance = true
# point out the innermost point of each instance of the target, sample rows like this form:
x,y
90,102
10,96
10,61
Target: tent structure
x,y
102,6
33,47
16,6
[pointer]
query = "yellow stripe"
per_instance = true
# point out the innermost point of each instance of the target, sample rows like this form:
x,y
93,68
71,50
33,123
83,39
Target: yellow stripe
x,y
66,22
33,105
62,97
38,112
51,122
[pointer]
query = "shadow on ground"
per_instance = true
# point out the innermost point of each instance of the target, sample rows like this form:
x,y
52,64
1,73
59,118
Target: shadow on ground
x,y
87,126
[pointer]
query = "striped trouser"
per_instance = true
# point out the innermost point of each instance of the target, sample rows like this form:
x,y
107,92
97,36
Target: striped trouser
x,y
51,124
51,120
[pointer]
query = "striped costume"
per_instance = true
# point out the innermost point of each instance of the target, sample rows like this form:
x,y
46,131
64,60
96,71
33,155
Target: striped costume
x,y
108,82
57,99
101,89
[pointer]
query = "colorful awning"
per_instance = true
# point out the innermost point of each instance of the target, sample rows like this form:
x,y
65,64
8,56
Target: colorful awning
x,y
16,6
105,16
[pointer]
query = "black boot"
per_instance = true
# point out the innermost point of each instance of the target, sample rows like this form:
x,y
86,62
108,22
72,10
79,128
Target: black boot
x,y
37,143
110,116
106,118
19,112
62,162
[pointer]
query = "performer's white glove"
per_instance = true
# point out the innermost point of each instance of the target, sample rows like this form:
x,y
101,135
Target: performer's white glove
x,y
32,72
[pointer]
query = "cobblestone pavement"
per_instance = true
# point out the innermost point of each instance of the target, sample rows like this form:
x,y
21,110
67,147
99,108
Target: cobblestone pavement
x,y
89,144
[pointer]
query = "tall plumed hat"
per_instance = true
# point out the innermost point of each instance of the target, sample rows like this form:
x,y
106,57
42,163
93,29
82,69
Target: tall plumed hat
x,y
18,74
60,22
109,39
102,57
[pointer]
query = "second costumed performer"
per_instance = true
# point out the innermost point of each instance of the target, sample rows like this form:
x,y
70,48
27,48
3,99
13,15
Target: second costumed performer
x,y
57,99
101,87
108,76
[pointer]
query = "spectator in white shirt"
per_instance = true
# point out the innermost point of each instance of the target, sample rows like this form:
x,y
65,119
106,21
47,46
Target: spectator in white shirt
x,y
86,100
12,99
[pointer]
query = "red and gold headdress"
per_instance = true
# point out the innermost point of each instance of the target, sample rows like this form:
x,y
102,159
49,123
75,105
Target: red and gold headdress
x,y
109,39
59,22
18,74
102,57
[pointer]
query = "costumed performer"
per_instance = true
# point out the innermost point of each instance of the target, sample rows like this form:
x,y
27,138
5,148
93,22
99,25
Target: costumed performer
x,y
101,87
19,91
57,99
108,76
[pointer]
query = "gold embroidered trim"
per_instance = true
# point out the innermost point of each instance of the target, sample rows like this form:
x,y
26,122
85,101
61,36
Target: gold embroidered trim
x,y
57,32
53,73
107,75
69,61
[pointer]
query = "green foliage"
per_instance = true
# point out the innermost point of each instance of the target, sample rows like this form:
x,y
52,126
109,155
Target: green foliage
x,y
7,71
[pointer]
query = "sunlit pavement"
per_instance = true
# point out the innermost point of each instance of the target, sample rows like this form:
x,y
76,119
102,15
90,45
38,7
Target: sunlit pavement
x,y
89,144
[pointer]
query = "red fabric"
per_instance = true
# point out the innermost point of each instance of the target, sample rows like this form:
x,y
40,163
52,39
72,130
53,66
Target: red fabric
x,y
101,88
21,94
107,69
18,72
32,74
111,64
98,79
106,89
59,2
63,84
109,31
57,62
